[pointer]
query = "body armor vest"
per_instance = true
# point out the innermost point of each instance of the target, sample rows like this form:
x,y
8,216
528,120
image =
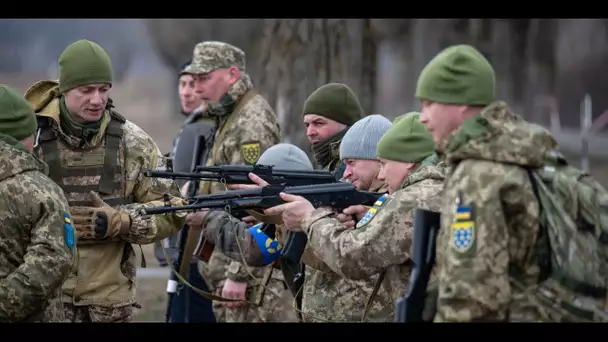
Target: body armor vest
x,y
78,171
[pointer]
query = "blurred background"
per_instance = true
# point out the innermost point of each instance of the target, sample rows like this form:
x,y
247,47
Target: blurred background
x,y
545,68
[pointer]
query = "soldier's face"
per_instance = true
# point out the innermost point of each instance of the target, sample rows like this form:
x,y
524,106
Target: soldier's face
x,y
361,172
213,85
87,103
393,173
440,119
189,98
319,128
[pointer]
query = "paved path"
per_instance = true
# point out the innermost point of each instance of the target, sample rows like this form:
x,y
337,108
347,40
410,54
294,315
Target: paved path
x,y
153,272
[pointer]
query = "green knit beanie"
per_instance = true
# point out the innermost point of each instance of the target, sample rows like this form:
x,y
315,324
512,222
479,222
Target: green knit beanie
x,y
334,101
83,62
17,118
458,75
407,140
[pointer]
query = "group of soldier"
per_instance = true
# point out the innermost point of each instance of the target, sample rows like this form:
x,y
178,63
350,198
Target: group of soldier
x,y
75,167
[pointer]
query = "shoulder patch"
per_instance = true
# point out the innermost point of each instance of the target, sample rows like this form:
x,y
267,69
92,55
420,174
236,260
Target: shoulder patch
x,y
372,211
462,230
251,152
68,230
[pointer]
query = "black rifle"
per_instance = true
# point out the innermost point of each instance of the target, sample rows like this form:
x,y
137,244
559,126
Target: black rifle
x,y
172,285
337,195
238,174
410,307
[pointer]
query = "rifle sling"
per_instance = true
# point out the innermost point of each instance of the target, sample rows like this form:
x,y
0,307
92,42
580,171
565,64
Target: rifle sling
x,y
191,243
370,300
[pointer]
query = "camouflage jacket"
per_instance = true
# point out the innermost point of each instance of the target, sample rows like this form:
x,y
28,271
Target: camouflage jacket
x,y
490,218
240,139
37,240
381,241
106,271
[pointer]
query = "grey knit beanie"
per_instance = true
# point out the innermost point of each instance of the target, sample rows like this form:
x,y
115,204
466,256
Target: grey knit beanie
x,y
362,138
286,157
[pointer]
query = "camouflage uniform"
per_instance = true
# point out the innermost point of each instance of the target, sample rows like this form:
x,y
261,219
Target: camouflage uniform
x,y
491,252
102,289
36,239
379,243
230,236
488,176
246,128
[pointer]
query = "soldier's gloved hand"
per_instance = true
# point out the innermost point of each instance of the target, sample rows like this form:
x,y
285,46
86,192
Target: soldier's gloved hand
x,y
99,221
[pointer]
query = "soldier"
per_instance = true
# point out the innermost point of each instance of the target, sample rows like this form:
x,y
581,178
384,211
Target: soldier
x,y
246,126
488,250
191,106
326,301
239,241
327,114
98,157
198,308
382,238
36,233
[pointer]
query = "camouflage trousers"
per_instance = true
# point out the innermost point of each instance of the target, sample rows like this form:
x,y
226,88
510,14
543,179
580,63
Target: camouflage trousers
x,y
98,314
272,309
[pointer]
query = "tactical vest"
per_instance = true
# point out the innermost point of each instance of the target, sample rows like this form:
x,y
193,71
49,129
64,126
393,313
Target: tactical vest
x,y
79,171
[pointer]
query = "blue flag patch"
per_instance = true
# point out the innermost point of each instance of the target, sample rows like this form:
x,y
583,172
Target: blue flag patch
x,y
270,248
68,230
462,231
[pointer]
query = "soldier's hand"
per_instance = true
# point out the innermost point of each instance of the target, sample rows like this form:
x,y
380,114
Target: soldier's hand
x,y
293,212
195,220
99,221
250,220
184,189
234,290
346,220
358,210
259,182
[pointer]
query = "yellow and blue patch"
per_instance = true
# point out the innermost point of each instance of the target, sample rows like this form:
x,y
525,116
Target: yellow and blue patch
x,y
462,232
68,230
270,248
372,211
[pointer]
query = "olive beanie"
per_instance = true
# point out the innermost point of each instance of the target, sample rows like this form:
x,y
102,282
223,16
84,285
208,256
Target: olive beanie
x,y
17,118
407,140
83,62
458,75
334,101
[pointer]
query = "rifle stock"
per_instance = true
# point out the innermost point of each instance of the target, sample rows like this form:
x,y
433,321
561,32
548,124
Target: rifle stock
x,y
337,195
410,307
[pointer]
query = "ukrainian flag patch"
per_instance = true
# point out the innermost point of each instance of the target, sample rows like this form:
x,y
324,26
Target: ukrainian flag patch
x,y
372,211
68,230
462,231
270,248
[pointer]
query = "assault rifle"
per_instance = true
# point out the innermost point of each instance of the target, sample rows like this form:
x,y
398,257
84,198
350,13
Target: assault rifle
x,y
410,307
238,174
337,195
